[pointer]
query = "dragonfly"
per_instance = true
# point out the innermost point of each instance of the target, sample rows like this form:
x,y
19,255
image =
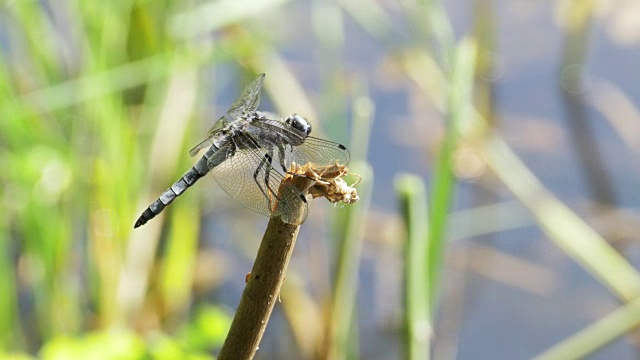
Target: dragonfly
x,y
248,151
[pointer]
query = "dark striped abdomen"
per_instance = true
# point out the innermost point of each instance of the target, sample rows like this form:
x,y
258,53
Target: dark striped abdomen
x,y
189,178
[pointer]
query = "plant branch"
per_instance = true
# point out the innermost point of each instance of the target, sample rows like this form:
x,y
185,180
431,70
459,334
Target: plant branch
x,y
261,292
270,268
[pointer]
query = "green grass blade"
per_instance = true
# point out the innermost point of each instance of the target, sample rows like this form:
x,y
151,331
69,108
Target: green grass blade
x,y
350,233
214,15
441,30
412,195
563,226
457,106
10,327
597,335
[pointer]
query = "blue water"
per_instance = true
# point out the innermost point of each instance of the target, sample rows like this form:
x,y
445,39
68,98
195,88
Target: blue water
x,y
497,320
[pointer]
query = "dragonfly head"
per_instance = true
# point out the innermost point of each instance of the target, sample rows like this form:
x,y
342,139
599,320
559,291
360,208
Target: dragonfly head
x,y
299,123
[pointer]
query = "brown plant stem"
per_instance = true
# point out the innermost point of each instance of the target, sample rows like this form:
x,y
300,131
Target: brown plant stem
x,y
269,270
261,292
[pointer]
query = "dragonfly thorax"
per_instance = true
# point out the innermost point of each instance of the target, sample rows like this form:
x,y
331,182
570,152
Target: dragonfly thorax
x,y
299,123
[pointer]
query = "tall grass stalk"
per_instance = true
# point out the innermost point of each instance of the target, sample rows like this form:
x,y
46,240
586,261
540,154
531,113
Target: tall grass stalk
x,y
349,233
573,83
80,83
342,343
596,336
563,226
418,323
458,104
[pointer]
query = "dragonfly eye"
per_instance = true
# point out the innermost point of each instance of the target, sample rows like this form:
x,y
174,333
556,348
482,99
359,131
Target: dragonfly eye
x,y
299,123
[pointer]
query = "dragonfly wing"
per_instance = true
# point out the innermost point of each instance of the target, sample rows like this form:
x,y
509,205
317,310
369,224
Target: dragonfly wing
x,y
246,173
208,141
248,100
317,151
310,149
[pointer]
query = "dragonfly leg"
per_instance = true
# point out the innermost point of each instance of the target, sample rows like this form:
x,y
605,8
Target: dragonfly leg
x,y
281,154
268,192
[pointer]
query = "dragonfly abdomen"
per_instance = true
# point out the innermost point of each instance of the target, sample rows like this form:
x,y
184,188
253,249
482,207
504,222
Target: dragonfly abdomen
x,y
189,178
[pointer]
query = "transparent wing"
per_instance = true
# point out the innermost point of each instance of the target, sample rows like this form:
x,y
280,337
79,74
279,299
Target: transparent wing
x,y
311,149
319,152
219,124
247,175
248,100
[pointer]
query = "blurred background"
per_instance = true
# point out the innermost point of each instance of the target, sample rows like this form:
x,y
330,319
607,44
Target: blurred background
x,y
497,142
